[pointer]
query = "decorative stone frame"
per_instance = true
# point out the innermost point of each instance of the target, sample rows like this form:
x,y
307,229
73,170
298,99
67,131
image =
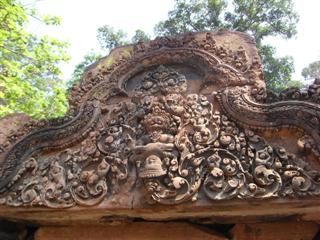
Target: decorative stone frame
x,y
183,121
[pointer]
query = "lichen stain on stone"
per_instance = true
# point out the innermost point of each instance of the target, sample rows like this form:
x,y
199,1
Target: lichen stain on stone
x,y
114,56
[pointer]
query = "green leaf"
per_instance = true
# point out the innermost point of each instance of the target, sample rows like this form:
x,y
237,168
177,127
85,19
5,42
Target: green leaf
x,y
29,64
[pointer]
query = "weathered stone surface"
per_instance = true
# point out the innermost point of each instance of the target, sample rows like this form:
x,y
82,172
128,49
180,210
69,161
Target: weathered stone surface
x,y
180,121
272,231
141,231
10,130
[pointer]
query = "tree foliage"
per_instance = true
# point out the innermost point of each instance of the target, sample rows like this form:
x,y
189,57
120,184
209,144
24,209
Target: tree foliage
x,y
88,59
279,70
312,70
108,38
259,18
29,64
140,35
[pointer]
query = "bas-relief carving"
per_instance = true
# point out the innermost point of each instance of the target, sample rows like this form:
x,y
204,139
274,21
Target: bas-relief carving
x,y
147,122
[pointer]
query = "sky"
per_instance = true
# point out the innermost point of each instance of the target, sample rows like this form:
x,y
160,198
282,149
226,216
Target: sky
x,y
81,19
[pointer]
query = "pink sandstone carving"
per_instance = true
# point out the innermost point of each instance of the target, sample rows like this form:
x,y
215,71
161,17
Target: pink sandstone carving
x,y
181,117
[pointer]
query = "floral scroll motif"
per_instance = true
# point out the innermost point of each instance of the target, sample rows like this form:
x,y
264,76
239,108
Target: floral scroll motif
x,y
205,151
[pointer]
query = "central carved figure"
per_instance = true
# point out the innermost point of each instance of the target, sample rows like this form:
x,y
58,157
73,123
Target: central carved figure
x,y
176,132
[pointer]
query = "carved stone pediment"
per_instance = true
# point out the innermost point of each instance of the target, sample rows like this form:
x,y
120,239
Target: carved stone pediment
x,y
176,121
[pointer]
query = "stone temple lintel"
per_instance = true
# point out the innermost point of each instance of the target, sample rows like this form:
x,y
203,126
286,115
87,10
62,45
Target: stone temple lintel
x,y
185,122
